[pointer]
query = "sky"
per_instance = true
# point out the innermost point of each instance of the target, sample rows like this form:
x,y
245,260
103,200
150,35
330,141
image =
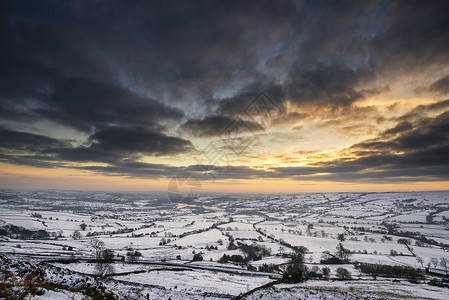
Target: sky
x,y
235,96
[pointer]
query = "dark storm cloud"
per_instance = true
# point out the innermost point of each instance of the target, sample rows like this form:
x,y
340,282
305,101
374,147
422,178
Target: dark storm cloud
x,y
135,169
23,141
126,142
427,134
401,127
441,85
109,144
86,104
169,47
243,102
216,126
322,85
116,143
125,72
317,52
411,36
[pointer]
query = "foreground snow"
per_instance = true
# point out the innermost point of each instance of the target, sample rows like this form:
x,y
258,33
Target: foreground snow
x,y
352,290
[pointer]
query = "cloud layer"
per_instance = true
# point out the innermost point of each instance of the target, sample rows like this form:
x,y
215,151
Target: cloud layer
x,y
133,84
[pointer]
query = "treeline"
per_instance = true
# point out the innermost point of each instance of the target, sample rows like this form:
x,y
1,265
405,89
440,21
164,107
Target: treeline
x,y
19,232
392,230
391,271
299,273
215,225
118,231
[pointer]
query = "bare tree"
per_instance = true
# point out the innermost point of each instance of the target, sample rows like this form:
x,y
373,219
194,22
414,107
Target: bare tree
x,y
281,250
343,253
133,255
103,268
343,274
104,265
434,262
420,261
443,263
98,246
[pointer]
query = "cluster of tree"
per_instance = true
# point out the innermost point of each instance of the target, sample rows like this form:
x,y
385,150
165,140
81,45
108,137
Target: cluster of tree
x,y
133,255
76,235
231,245
211,247
268,268
254,252
395,253
443,263
343,274
340,256
295,273
20,232
429,217
164,241
390,271
234,258
299,255
387,238
197,257
215,225
392,230
118,231
299,272
405,241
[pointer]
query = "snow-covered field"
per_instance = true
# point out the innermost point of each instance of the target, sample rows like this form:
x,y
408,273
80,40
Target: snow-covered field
x,y
178,251
343,290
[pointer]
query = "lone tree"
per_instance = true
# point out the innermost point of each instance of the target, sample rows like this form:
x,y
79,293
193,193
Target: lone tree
x,y
197,257
341,237
343,274
76,235
133,255
98,247
281,250
434,262
295,273
326,272
406,242
104,265
83,226
343,253
443,263
107,255
420,261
